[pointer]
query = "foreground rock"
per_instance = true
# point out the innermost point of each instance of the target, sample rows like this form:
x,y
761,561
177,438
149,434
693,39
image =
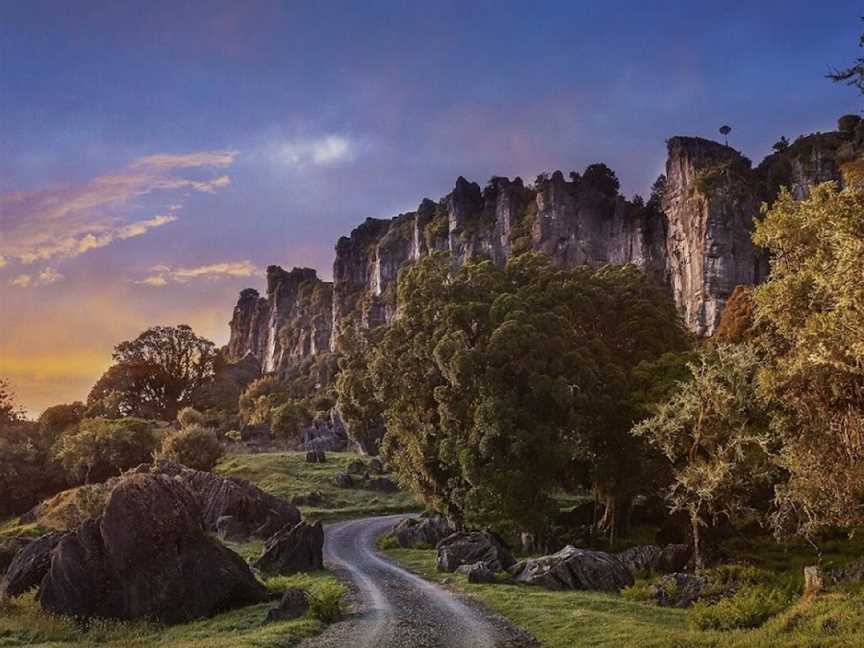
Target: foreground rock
x,y
29,565
421,532
294,549
8,548
253,512
574,569
653,558
471,547
678,590
293,605
148,557
477,573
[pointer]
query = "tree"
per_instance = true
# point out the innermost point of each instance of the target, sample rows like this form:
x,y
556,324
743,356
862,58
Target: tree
x,y
57,420
854,74
488,373
724,131
154,375
103,448
713,431
194,446
358,406
10,412
736,322
812,311
602,178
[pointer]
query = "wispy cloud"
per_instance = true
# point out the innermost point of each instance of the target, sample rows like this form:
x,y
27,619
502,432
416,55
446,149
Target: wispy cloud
x,y
327,150
46,277
69,221
162,275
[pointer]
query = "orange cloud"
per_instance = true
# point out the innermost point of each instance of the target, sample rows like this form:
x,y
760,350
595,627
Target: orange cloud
x,y
163,274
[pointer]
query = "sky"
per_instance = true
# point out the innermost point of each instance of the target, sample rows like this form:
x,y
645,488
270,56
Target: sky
x,y
156,156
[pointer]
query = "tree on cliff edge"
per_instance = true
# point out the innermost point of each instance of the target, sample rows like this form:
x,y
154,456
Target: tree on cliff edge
x,y
154,375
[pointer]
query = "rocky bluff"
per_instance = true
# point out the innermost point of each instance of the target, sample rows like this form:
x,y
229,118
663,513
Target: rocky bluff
x,y
693,235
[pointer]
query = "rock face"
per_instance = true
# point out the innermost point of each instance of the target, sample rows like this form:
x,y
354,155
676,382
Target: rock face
x,y
574,569
29,565
695,237
294,549
148,557
414,532
259,513
292,322
471,547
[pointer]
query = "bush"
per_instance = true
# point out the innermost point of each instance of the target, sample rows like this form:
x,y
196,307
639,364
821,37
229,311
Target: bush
x,y
726,580
102,448
639,592
287,422
325,601
750,607
189,416
28,472
193,446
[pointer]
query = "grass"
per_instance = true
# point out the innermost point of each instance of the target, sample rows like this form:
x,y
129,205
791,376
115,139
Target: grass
x,y
22,623
287,474
583,619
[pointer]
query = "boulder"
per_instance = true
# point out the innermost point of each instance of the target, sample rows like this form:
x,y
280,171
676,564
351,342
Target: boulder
x,y
413,532
469,547
147,557
356,467
8,548
376,467
29,565
295,549
382,485
574,569
316,456
344,480
678,590
652,558
293,605
477,573
312,498
231,529
260,513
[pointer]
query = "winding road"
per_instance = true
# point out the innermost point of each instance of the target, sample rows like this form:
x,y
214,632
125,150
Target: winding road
x,y
394,608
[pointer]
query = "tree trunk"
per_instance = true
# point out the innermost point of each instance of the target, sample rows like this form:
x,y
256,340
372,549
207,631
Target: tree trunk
x,y
698,558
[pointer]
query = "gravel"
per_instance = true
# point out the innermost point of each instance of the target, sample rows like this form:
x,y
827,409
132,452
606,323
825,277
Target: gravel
x,y
393,608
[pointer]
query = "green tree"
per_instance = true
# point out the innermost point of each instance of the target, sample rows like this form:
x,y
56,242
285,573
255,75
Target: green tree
x,y
358,406
714,433
812,311
154,375
57,420
102,448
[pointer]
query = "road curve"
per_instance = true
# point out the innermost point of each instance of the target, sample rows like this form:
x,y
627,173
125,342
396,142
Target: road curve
x,y
397,609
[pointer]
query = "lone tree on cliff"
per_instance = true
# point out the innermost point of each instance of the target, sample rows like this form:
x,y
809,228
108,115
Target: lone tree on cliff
x,y
154,375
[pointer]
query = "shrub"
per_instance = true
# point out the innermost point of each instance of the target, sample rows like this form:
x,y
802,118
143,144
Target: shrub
x,y
325,601
28,472
726,580
189,416
749,607
287,421
102,448
194,446
639,592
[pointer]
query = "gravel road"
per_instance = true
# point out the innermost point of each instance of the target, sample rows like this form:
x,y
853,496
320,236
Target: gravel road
x,y
393,608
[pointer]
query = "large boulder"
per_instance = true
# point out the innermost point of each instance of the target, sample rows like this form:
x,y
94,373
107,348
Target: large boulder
x,y
418,532
574,569
477,573
148,557
8,548
29,565
469,547
653,558
295,549
260,513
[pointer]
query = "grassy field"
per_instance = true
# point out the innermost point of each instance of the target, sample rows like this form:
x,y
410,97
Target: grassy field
x,y
287,474
583,619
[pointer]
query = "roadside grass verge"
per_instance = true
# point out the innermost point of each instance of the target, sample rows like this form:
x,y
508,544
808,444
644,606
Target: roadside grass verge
x,y
583,619
287,474
23,623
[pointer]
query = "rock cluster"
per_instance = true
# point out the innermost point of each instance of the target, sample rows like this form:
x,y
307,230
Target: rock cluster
x,y
472,547
421,532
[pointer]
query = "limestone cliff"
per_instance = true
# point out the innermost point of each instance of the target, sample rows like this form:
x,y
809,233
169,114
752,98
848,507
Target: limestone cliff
x,y
292,322
694,236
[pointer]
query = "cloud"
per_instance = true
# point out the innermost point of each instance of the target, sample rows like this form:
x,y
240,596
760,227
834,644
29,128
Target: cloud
x,y
164,274
46,277
328,150
2,261
69,221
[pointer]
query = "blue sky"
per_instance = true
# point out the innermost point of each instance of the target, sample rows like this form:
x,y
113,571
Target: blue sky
x,y
157,155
